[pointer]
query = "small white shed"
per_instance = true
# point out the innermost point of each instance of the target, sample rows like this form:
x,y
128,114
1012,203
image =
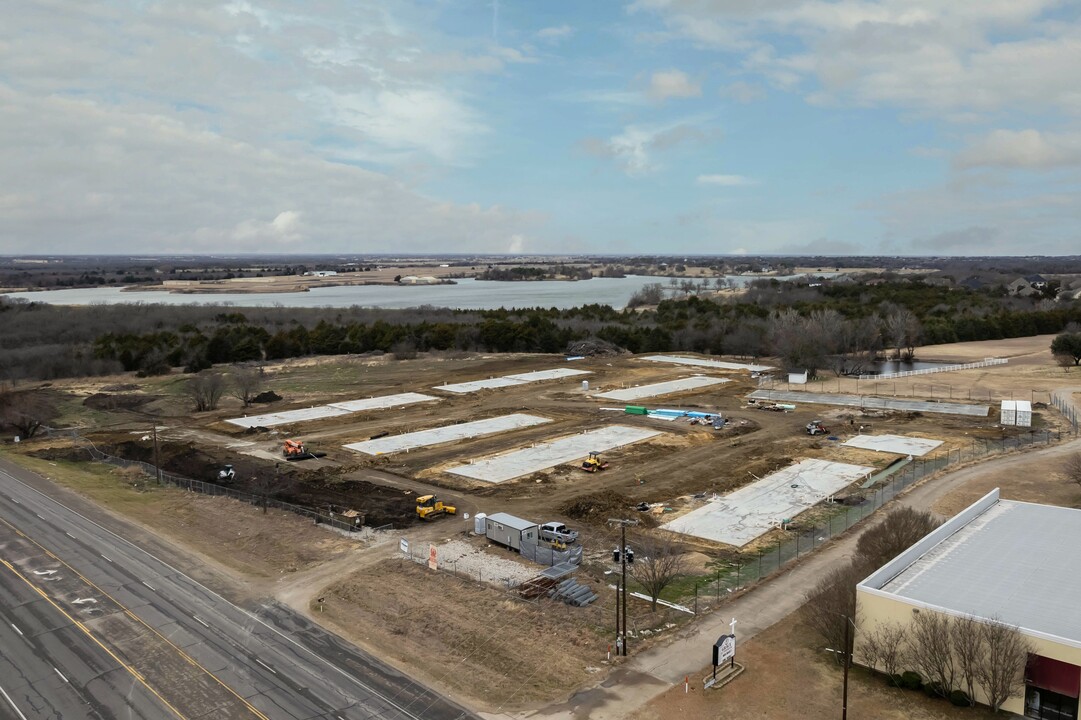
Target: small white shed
x,y
1024,413
1008,413
797,378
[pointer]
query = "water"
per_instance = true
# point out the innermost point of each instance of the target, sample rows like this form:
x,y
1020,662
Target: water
x,y
467,294
891,366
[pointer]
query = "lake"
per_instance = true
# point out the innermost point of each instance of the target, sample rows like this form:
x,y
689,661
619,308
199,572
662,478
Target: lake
x,y
467,294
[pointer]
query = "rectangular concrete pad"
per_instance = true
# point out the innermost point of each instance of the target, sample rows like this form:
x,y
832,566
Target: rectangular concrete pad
x,y
741,516
662,388
698,362
942,408
899,444
383,402
332,410
511,380
500,468
447,433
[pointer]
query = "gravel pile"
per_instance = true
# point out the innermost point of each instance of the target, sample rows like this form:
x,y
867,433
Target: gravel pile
x,y
483,565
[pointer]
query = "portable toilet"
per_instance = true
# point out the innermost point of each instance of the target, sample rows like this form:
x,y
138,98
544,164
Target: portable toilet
x,y
585,386
479,521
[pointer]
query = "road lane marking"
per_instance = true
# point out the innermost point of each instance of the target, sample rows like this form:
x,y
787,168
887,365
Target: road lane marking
x,y
86,631
266,666
149,585
69,535
62,676
39,516
149,627
319,660
103,556
15,501
200,621
16,628
12,704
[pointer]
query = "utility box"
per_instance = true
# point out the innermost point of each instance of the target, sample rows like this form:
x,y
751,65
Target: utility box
x,y
1024,413
510,531
1008,413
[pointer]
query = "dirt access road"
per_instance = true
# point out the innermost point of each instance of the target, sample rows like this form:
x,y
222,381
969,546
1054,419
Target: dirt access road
x,y
645,676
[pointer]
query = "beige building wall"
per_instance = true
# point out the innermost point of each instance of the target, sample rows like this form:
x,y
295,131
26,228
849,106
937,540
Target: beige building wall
x,y
875,607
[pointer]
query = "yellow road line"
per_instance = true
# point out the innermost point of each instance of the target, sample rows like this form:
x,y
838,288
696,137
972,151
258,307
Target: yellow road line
x,y
152,629
90,635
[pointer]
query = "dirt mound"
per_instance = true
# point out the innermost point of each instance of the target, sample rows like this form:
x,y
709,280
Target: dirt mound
x,y
268,396
123,387
594,347
108,401
597,507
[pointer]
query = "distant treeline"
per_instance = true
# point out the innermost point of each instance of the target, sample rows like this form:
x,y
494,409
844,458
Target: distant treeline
x,y
806,325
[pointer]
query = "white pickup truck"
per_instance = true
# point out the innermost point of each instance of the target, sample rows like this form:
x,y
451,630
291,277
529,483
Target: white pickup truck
x,y
558,532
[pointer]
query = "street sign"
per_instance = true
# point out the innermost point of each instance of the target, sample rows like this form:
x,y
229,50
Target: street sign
x,y
403,545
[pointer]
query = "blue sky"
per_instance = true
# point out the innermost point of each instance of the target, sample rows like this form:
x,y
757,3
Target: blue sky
x,y
652,126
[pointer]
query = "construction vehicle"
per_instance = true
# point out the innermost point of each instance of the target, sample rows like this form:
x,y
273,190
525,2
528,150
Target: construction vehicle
x,y
429,508
594,463
297,450
815,427
226,474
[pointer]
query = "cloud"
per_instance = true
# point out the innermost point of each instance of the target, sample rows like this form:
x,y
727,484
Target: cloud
x,y
725,180
939,57
133,181
743,92
672,84
633,149
1022,149
555,33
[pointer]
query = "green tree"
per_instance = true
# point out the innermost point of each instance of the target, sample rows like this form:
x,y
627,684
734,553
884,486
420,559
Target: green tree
x,y
1068,344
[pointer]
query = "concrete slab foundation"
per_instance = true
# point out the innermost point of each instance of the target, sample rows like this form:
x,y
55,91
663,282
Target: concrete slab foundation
x,y
741,516
510,380
500,468
662,388
332,410
698,362
862,401
445,434
898,444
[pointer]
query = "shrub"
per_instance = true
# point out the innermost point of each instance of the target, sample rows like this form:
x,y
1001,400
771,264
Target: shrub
x,y
934,689
960,698
911,680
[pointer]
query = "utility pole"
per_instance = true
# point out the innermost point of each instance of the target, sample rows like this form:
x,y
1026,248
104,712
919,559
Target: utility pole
x,y
157,457
848,664
623,523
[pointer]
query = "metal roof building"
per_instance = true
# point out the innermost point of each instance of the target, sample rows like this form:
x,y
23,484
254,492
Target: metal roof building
x,y
1018,563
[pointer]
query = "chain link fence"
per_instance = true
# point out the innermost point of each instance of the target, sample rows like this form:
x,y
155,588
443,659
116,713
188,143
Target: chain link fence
x,y
1062,402
802,539
205,488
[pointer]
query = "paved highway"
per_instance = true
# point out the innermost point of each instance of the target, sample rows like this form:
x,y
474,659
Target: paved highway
x,y
92,626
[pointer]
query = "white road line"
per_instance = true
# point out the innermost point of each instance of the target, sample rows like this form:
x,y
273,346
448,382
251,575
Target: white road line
x,y
200,621
106,558
69,535
62,676
285,638
266,666
12,704
149,585
16,628
16,501
39,517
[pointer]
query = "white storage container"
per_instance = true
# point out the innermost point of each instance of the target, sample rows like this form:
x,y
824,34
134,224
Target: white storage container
x,y
1008,414
479,523
1024,413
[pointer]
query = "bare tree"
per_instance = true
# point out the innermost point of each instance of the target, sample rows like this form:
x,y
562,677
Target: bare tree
x,y
884,648
1064,361
660,562
833,601
903,330
26,411
896,532
1001,672
267,486
930,650
1071,469
246,381
205,389
968,645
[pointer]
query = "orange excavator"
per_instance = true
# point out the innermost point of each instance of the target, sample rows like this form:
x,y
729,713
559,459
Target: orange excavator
x,y
297,450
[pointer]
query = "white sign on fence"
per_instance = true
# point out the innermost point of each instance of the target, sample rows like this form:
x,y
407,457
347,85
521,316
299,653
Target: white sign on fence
x,y
403,545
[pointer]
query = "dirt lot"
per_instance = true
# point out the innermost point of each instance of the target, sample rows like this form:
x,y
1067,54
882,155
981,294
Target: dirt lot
x,y
787,676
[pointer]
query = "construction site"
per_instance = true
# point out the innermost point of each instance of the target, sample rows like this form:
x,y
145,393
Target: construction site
x,y
482,489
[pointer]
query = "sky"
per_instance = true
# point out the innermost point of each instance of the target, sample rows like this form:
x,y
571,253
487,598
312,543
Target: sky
x,y
900,127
